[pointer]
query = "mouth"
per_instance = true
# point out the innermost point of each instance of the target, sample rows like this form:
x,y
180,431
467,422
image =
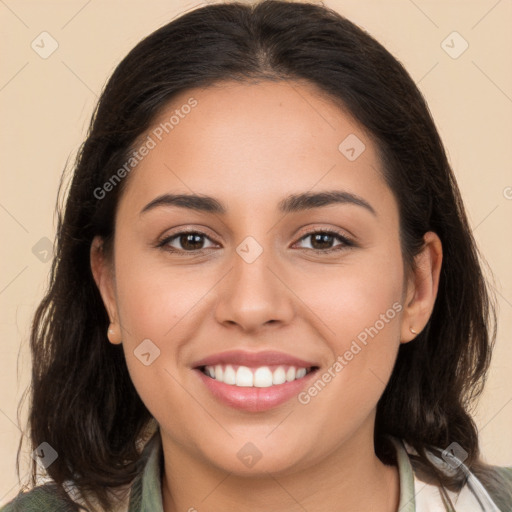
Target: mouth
x,y
254,382
259,377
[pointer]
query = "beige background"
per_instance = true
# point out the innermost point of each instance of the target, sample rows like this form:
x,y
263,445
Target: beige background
x,y
46,105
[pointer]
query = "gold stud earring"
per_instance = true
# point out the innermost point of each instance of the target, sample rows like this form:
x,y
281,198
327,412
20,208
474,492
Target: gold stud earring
x,y
412,330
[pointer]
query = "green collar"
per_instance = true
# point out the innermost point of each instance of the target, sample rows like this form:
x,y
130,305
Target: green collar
x,y
146,494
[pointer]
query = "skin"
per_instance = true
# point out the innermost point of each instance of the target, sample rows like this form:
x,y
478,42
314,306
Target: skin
x,y
250,146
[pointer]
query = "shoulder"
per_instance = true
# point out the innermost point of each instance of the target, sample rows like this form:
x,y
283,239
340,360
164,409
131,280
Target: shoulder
x,y
493,492
505,472
43,498
503,496
49,497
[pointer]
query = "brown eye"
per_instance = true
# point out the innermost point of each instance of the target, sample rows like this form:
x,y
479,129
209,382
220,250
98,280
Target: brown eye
x,y
187,241
322,241
191,241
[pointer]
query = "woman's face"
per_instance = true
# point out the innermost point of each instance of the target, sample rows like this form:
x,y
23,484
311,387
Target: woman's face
x,y
254,297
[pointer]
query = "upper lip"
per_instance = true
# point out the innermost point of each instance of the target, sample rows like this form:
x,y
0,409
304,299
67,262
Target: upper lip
x,y
244,358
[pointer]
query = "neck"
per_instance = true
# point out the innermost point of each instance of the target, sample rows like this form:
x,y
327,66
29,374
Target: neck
x,y
351,478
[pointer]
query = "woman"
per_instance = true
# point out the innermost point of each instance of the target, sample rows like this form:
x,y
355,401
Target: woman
x,y
265,294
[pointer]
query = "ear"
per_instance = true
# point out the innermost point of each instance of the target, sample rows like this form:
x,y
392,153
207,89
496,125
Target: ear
x,y
422,285
103,273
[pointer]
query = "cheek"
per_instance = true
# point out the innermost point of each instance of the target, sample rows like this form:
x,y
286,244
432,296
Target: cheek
x,y
157,304
352,298
153,299
360,305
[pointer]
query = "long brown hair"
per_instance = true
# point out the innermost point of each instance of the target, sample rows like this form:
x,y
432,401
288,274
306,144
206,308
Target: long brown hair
x,y
83,402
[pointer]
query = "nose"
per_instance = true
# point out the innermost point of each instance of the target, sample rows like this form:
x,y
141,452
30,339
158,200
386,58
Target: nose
x,y
254,295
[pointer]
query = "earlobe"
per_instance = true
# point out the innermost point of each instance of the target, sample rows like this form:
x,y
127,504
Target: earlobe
x,y
103,275
422,286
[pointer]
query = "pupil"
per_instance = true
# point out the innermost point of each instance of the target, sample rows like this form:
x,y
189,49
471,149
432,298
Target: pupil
x,y
324,239
191,241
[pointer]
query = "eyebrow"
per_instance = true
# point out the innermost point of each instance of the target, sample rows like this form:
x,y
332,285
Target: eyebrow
x,y
291,204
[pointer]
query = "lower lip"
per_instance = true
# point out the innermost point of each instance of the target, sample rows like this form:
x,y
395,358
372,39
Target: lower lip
x,y
255,399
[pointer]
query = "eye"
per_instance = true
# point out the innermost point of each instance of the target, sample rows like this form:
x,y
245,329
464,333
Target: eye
x,y
186,241
323,240
194,241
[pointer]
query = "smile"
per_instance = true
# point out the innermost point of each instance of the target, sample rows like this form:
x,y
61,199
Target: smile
x,y
258,377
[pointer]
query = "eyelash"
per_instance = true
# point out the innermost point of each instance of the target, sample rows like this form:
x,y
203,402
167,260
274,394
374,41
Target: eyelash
x,y
346,242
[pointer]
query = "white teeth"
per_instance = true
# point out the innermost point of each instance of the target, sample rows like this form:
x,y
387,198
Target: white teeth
x,y
261,377
279,376
244,377
300,373
229,376
219,372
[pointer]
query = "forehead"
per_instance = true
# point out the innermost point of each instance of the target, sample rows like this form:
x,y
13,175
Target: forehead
x,y
255,141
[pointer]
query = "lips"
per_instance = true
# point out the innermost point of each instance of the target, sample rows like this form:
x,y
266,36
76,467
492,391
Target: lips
x,y
254,381
254,359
